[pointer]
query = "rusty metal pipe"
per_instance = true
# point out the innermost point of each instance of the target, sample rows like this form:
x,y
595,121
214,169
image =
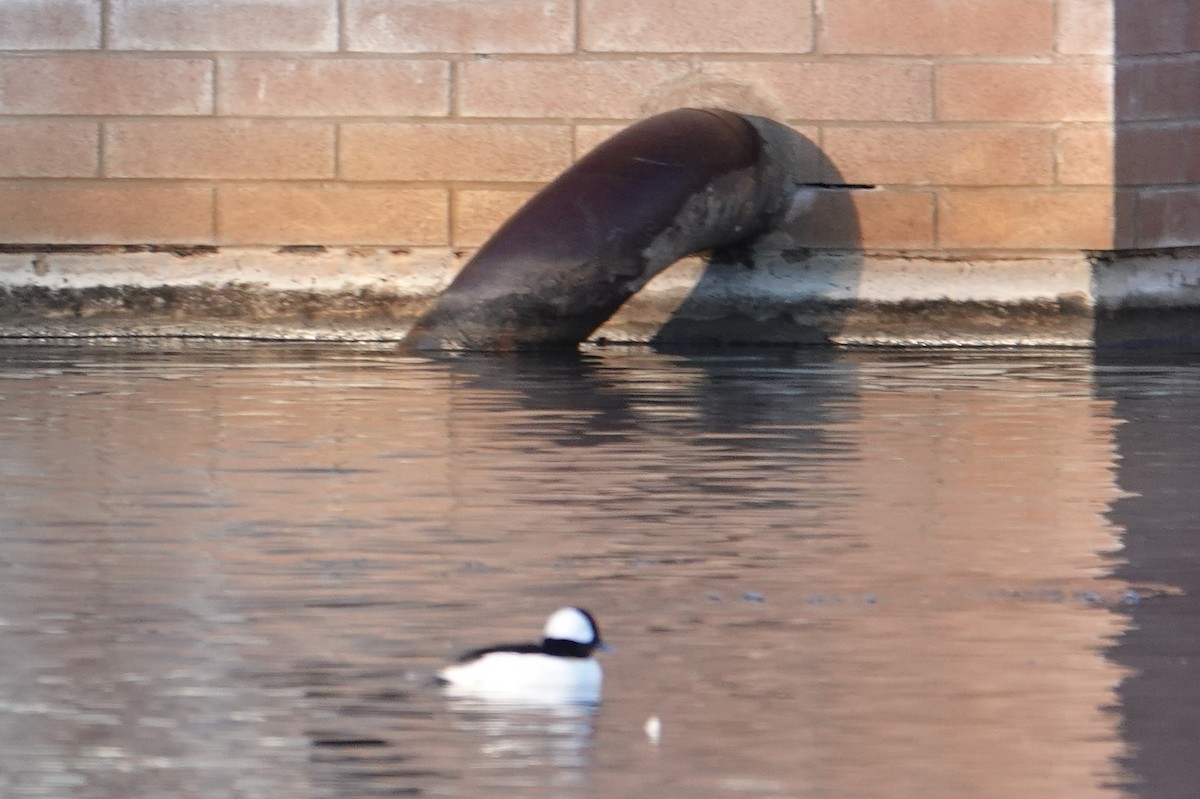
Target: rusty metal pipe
x,y
677,183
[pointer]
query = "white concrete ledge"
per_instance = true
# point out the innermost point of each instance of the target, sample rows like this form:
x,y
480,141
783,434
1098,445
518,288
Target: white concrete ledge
x,y
321,269
785,296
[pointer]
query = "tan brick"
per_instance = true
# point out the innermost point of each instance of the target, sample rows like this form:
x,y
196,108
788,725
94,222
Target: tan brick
x,y
105,85
331,215
49,25
436,26
218,148
1168,217
587,137
451,151
333,87
938,27
856,219
1125,218
924,156
49,149
1084,155
292,25
1024,92
110,214
710,26
1085,27
1158,89
1035,219
587,89
1151,26
838,90
478,213
900,220
1157,154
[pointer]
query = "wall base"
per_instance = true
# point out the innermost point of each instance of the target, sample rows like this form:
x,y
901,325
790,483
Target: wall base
x,y
766,297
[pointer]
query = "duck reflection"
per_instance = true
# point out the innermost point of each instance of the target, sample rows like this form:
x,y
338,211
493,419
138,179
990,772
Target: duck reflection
x,y
527,742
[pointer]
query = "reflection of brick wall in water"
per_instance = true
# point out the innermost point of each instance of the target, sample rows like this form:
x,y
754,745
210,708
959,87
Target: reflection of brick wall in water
x,y
988,126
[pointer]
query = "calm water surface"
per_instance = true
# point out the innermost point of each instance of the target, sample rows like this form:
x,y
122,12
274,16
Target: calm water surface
x,y
231,572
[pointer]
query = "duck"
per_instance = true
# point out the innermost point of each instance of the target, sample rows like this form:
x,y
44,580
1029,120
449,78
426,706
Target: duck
x,y
559,669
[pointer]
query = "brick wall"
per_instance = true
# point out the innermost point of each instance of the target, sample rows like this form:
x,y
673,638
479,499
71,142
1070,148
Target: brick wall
x,y
1157,123
988,125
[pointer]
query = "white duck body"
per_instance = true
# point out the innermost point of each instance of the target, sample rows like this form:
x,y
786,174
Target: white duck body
x,y
560,669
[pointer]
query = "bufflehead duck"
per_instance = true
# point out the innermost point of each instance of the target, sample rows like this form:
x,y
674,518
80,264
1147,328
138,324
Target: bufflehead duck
x,y
560,668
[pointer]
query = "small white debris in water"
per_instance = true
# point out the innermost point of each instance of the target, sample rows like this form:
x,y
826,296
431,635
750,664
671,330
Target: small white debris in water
x,y
653,728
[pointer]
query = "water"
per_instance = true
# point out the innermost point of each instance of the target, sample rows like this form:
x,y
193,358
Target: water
x,y
232,571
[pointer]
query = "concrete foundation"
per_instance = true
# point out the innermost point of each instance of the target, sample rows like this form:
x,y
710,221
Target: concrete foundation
x,y
783,296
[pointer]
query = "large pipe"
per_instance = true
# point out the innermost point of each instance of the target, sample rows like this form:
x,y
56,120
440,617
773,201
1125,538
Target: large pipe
x,y
677,183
